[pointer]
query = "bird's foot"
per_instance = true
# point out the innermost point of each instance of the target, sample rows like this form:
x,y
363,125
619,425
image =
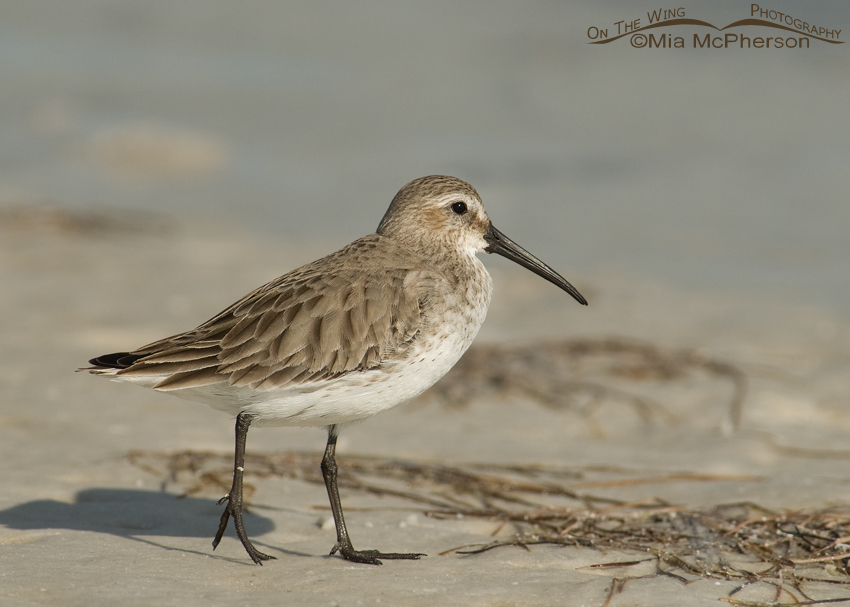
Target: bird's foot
x,y
234,508
371,557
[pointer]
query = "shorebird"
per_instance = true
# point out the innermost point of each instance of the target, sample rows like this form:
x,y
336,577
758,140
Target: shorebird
x,y
343,338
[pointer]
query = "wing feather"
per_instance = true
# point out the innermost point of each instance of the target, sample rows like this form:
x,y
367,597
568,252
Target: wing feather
x,y
243,331
184,354
189,379
238,363
322,320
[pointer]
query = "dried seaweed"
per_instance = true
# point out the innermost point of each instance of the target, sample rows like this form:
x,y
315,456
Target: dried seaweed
x,y
744,542
793,554
582,374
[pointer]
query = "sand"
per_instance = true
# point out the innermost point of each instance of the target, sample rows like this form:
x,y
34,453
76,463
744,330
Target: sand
x,y
82,525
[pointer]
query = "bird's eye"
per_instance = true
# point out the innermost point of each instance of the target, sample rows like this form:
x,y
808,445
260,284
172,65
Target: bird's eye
x,y
459,207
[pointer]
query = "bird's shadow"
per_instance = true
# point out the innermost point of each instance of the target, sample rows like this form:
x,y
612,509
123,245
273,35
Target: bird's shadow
x,y
131,514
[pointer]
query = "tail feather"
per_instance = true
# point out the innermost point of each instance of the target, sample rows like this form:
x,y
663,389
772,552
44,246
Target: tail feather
x,y
118,360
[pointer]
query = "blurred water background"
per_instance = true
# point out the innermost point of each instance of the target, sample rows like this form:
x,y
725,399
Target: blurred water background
x,y
721,169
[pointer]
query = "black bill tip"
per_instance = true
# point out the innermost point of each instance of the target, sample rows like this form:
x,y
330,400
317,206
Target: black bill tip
x,y
502,245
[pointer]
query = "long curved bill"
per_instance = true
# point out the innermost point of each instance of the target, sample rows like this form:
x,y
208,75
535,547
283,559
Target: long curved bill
x,y
504,246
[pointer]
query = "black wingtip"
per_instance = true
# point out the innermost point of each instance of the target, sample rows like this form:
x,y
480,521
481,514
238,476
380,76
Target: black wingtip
x,y
118,360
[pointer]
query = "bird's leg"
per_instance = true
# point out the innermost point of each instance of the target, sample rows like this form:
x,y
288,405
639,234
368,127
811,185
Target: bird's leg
x,y
234,498
343,542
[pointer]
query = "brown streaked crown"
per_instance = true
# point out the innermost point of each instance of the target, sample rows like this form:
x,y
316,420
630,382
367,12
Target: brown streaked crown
x,y
422,190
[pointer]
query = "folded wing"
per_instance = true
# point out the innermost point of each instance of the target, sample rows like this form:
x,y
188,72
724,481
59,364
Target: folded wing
x,y
299,328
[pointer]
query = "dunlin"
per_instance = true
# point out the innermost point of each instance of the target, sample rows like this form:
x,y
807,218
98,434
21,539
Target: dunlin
x,y
343,338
